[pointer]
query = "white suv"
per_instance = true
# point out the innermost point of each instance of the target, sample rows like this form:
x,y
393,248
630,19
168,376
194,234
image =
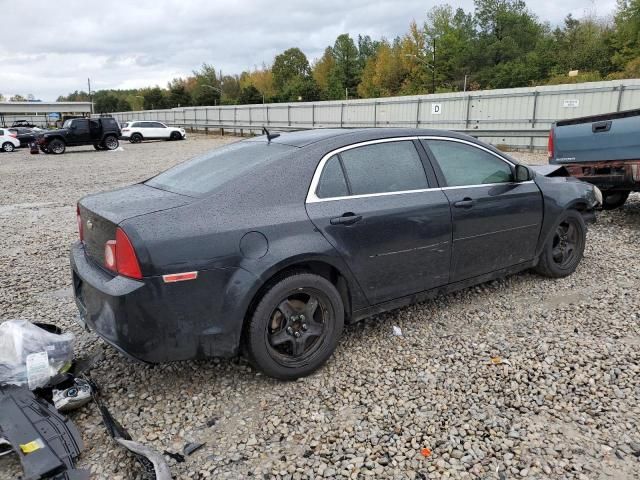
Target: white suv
x,y
138,131
8,140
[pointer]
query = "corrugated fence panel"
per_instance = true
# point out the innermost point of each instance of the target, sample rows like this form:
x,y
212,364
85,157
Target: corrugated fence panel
x,y
507,110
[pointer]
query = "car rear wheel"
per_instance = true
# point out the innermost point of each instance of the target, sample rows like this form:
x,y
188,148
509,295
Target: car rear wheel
x,y
8,147
564,250
175,136
56,146
295,327
135,138
615,199
111,142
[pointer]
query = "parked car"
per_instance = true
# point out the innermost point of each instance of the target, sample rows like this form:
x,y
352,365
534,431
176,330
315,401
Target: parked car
x,y
101,132
8,141
271,244
22,123
136,132
24,135
601,149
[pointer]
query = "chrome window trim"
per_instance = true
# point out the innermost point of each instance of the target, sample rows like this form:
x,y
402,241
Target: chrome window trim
x,y
313,198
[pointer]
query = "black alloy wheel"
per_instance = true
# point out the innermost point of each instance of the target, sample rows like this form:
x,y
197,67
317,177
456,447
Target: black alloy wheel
x,y
564,250
295,327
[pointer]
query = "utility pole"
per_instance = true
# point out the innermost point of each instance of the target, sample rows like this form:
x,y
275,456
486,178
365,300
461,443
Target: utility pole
x,y
464,88
90,100
346,94
433,70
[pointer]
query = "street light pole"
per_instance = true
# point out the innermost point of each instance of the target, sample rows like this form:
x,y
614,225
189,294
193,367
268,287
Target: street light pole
x,y
90,100
426,64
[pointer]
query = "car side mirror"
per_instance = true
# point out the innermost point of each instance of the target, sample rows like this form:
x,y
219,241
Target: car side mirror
x,y
523,174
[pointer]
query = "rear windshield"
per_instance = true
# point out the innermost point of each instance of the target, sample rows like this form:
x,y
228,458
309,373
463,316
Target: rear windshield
x,y
203,174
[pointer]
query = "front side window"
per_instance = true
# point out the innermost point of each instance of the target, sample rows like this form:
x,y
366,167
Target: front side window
x,y
462,164
384,167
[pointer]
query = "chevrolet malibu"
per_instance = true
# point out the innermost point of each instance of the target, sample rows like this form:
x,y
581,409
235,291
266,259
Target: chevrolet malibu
x,y
268,246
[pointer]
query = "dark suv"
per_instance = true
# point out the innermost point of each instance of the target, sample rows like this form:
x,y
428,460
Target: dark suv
x,y
102,133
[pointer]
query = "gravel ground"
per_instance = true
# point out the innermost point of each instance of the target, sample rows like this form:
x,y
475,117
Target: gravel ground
x,y
560,399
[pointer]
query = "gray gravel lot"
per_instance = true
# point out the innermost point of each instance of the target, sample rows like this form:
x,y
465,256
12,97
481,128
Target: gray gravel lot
x,y
559,400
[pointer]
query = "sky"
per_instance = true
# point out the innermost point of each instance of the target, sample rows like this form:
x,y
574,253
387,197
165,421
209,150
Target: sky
x,y
142,43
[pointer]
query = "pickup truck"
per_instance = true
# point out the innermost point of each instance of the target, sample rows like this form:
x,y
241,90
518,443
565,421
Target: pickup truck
x,y
102,133
601,149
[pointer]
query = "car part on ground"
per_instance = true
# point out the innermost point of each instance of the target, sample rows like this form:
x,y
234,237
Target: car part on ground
x,y
46,442
31,354
153,465
72,397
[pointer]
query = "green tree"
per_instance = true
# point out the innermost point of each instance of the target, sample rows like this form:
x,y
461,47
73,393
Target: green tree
x,y
290,65
105,102
249,95
346,72
626,38
206,86
178,95
155,99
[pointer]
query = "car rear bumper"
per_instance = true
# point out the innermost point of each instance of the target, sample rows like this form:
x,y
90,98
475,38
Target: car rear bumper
x,y
156,322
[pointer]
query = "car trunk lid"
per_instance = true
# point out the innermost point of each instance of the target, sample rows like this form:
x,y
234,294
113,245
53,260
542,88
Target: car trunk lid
x,y
100,214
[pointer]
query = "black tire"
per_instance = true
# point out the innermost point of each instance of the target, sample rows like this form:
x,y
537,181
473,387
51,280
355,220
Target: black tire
x,y
110,142
8,147
289,335
44,149
615,199
564,250
135,138
56,146
98,147
175,136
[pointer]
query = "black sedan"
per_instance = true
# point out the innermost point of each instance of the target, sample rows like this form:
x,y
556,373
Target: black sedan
x,y
269,245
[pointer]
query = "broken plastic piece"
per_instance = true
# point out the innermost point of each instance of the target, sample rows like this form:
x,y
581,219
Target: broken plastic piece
x,y
153,465
73,397
191,447
46,442
426,452
397,331
178,457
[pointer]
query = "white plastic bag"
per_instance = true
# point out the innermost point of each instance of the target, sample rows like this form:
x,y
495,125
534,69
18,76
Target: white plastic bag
x,y
31,355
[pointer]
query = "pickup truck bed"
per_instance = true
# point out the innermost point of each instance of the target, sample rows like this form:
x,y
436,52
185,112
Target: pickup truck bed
x,y
601,149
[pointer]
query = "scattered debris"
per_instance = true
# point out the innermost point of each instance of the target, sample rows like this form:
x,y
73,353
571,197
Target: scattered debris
x,y
397,331
153,465
426,452
5,447
178,457
497,360
72,397
191,447
212,421
33,354
46,442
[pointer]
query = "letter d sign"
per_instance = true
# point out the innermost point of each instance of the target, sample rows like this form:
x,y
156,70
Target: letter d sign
x,y
436,108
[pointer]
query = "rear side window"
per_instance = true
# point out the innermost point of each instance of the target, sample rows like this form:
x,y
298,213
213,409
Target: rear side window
x,y
462,164
384,167
332,182
1,132
203,174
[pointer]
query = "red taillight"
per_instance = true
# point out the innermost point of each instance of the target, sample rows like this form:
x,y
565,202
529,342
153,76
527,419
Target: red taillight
x,y
120,257
79,221
14,135
550,144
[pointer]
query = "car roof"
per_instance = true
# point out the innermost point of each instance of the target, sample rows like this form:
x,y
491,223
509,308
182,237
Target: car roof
x,y
305,138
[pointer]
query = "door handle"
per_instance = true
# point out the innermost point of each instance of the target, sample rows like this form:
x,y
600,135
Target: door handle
x,y
601,126
348,218
464,203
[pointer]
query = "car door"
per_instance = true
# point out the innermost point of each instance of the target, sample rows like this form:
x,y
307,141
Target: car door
x,y
377,204
496,220
79,132
159,130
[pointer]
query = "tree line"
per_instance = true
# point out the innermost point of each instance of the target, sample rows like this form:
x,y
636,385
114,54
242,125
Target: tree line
x,y
500,44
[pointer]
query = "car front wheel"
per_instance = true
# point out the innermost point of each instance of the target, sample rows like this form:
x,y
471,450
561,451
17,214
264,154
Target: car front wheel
x,y
175,136
8,147
111,142
295,327
135,138
564,250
